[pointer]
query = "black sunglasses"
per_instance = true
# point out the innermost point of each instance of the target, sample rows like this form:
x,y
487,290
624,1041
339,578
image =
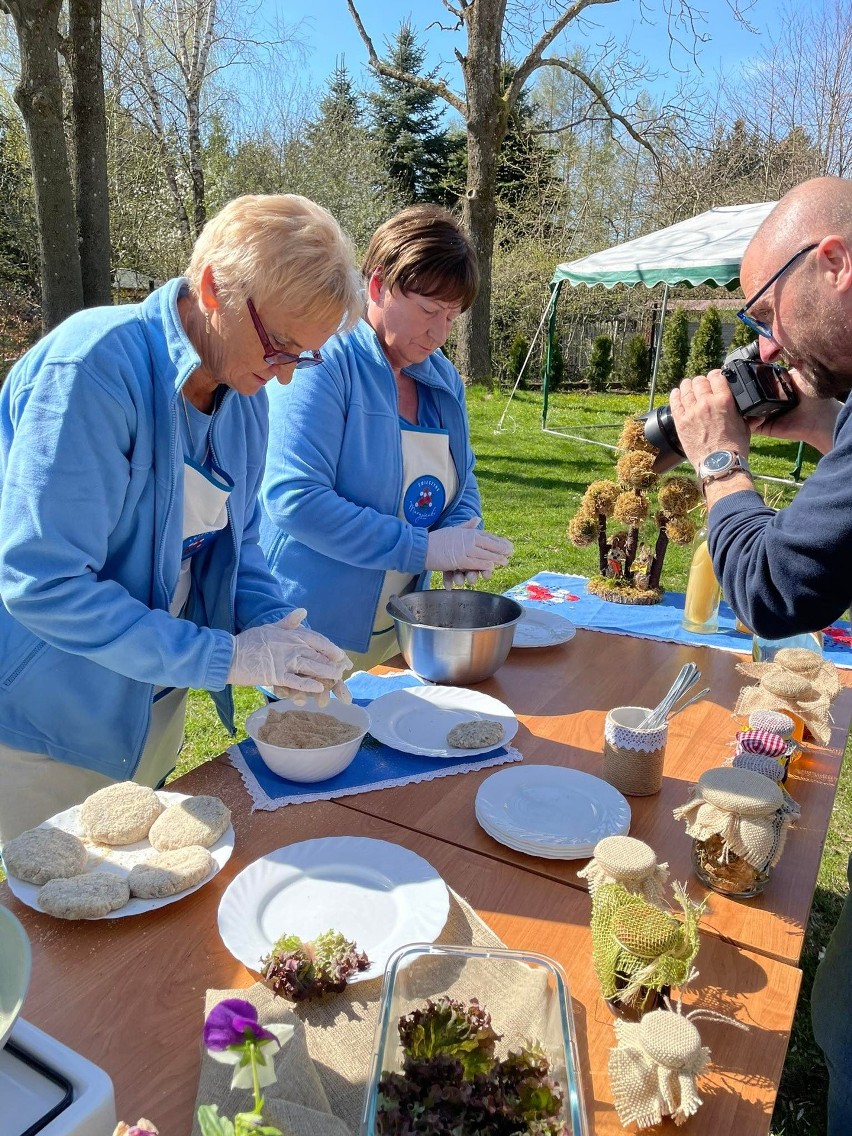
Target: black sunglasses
x,y
758,325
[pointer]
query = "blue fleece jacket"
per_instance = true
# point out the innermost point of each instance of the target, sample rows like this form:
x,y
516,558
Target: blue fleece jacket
x,y
333,482
790,571
91,511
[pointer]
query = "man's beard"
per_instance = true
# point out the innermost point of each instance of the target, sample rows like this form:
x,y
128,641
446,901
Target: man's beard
x,y
825,382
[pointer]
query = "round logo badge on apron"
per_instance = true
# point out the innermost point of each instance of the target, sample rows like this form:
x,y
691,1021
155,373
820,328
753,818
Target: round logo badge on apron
x,y
424,500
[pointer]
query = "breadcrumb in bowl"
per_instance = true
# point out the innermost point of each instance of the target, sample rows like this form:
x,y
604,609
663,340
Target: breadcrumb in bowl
x,y
314,763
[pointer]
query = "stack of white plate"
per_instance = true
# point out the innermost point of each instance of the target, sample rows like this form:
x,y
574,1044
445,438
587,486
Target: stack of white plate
x,y
548,811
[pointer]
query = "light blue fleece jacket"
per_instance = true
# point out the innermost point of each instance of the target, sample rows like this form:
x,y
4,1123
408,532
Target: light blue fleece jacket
x,y
333,481
91,512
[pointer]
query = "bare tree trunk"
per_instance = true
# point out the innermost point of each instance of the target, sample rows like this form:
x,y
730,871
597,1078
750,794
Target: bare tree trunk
x,y
83,54
488,115
39,97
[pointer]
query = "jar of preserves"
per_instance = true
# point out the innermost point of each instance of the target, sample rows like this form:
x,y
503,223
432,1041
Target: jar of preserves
x,y
738,820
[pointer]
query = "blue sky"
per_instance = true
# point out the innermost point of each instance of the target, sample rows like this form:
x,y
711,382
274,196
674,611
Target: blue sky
x,y
329,32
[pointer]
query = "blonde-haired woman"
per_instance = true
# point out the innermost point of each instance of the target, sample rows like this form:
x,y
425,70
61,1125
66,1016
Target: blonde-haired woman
x,y
131,454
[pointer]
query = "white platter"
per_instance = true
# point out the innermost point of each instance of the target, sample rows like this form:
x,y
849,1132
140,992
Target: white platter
x,y
378,894
120,860
574,852
417,719
550,808
541,628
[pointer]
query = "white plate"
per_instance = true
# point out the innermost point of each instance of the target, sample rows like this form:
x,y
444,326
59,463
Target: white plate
x,y
541,628
120,860
547,806
567,853
417,719
378,894
14,970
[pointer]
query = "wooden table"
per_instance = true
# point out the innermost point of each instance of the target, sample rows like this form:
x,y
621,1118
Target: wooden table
x,y
561,697
128,993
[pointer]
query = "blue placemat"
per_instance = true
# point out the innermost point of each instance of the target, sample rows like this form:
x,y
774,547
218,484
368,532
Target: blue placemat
x,y
376,766
568,596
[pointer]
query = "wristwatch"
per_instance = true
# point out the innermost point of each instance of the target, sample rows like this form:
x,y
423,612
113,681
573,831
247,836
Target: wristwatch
x,y
719,464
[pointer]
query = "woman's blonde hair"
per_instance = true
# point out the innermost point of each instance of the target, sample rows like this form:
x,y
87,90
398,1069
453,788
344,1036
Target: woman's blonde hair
x,y
282,248
423,249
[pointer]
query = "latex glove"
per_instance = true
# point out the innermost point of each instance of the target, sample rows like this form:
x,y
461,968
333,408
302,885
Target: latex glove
x,y
459,579
340,689
285,654
466,548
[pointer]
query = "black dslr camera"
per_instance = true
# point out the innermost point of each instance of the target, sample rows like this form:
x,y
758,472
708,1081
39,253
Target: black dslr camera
x,y
761,390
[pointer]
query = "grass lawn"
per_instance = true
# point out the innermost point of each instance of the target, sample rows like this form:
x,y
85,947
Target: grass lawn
x,y
531,484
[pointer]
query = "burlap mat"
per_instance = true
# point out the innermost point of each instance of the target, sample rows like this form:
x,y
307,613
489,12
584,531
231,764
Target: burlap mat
x,y
323,1069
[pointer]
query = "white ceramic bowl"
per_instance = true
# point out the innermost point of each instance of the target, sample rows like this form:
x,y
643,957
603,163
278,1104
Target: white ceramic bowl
x,y
309,764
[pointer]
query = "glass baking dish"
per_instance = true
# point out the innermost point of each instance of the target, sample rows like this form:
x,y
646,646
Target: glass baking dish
x,y
525,993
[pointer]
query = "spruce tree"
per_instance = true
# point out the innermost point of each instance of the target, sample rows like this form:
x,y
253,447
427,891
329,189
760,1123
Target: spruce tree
x,y
634,369
743,335
675,350
707,348
408,125
600,363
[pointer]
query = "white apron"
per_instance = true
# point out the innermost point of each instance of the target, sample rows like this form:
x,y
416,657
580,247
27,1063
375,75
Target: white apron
x,y
429,481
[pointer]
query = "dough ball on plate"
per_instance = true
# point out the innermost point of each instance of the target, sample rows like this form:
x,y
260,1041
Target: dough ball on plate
x,y
168,873
475,734
89,896
42,854
197,820
120,814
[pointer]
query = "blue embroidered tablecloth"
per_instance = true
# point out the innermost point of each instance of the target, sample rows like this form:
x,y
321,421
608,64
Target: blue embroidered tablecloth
x,y
567,595
375,766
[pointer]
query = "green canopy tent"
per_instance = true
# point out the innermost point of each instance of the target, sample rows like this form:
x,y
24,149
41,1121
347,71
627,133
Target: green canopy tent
x,y
706,249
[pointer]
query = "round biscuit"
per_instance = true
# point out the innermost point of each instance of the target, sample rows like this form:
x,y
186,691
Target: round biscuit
x,y
168,873
42,854
88,896
197,820
120,814
475,734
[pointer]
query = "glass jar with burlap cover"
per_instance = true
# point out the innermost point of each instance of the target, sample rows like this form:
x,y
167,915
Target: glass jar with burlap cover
x,y
797,682
738,821
629,862
638,948
653,1067
769,767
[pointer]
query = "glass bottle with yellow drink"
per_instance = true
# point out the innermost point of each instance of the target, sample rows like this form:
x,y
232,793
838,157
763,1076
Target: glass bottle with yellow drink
x,y
703,594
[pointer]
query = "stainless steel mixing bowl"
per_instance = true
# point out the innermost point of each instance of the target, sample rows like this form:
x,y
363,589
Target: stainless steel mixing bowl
x,y
455,636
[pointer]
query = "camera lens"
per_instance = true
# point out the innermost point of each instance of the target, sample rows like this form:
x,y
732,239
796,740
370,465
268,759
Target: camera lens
x,y
661,433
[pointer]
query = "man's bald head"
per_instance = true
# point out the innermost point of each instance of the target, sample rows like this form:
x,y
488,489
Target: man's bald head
x,y
815,209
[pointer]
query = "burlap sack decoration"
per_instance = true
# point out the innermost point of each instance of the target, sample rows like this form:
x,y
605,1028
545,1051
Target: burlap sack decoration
x,y
808,665
635,944
797,681
629,862
745,808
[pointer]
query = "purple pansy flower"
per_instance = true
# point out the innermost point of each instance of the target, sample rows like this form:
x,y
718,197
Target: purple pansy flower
x,y
233,1022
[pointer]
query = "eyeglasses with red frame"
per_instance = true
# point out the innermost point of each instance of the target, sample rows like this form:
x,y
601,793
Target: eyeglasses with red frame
x,y
280,358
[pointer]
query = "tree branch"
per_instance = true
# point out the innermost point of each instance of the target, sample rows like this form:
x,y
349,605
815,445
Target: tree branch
x,y
435,88
612,114
533,58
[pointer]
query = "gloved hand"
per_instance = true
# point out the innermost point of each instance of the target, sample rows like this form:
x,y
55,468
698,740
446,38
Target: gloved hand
x,y
341,690
466,548
285,654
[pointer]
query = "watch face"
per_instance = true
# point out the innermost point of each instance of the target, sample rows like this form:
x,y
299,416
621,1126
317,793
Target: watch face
x,y
718,461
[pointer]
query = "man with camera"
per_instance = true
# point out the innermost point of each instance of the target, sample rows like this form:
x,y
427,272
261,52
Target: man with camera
x,y
791,571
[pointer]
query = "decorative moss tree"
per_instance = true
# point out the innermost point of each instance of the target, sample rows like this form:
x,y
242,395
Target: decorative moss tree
x,y
630,570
